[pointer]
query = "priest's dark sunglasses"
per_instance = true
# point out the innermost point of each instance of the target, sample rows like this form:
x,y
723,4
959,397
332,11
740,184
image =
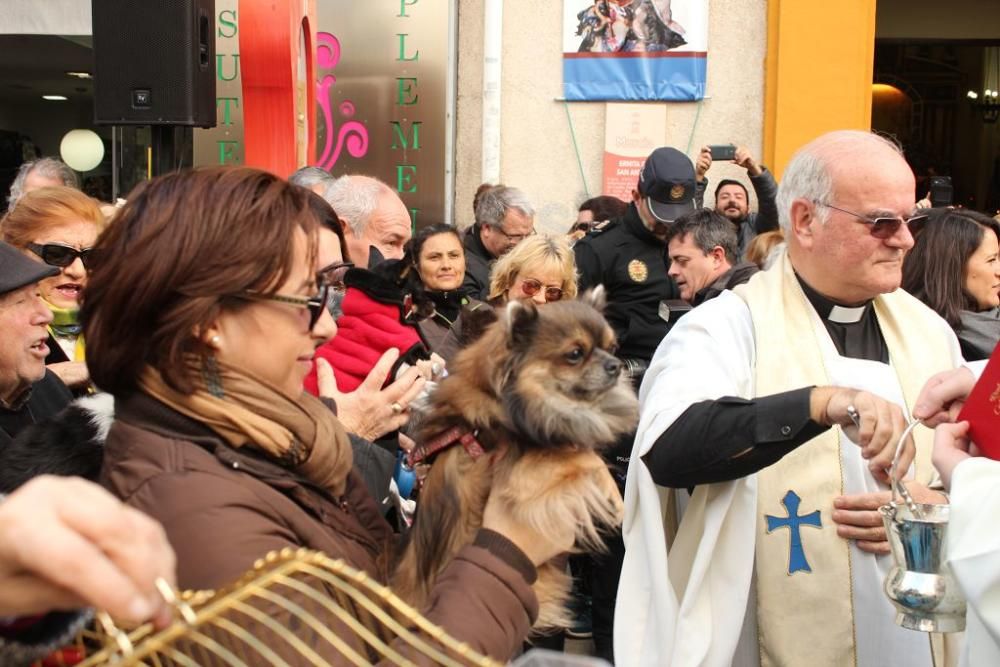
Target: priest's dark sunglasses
x,y
314,304
881,227
531,287
57,254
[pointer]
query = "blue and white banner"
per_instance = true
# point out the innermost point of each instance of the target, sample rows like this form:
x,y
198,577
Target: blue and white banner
x,y
634,49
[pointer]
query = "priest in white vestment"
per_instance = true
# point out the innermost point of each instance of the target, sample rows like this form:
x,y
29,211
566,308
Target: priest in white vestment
x,y
752,400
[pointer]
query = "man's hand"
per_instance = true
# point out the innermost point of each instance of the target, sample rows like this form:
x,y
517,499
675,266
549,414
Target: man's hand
x,y
370,411
744,159
66,543
858,519
703,163
951,447
942,397
881,425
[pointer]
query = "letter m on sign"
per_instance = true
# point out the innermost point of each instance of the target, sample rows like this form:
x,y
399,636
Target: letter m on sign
x,y
401,140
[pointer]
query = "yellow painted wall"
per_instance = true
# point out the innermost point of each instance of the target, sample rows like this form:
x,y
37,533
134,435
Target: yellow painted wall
x,y
819,72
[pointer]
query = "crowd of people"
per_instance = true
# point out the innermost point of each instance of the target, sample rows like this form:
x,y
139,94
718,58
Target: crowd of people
x,y
230,363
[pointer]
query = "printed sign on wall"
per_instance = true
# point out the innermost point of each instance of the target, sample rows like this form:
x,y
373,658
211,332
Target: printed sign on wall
x,y
631,132
382,71
223,144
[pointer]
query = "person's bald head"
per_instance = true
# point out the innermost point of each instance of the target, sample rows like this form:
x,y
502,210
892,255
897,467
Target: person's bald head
x,y
373,214
831,190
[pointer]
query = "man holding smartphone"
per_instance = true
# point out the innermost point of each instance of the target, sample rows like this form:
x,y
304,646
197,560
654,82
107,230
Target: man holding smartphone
x,y
732,199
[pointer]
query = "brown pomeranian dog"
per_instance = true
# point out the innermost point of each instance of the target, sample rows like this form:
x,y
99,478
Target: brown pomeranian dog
x,y
525,408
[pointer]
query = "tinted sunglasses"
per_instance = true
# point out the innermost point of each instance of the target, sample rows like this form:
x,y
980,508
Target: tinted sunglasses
x,y
57,254
314,304
883,227
582,227
531,287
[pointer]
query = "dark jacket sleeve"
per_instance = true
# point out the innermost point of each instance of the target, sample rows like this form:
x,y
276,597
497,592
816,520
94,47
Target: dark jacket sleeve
x,y
472,288
484,597
766,189
375,465
588,266
729,438
699,192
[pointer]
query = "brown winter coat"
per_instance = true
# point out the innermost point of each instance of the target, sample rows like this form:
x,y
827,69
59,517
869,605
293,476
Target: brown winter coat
x,y
222,509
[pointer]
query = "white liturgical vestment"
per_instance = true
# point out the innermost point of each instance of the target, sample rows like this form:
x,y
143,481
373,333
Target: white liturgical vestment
x,y
816,598
974,555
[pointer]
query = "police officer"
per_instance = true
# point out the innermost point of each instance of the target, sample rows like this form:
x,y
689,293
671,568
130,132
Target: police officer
x,y
628,255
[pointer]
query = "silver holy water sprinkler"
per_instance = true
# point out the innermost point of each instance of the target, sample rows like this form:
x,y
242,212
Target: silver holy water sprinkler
x,y
920,584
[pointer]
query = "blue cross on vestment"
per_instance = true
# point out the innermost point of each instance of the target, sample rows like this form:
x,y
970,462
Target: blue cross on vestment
x,y
796,554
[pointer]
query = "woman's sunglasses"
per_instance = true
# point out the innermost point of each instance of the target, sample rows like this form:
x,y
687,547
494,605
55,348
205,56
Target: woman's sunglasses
x,y
57,254
531,287
314,304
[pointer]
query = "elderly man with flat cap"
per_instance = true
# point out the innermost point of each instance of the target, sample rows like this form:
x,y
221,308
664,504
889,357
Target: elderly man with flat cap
x,y
28,392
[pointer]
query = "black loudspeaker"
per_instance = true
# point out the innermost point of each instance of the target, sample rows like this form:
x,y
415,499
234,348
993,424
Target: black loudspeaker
x,y
154,62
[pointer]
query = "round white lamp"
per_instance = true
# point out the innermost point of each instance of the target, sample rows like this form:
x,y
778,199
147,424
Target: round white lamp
x,y
82,149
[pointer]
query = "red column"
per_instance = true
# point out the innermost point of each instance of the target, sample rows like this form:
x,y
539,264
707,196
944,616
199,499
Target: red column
x,y
279,106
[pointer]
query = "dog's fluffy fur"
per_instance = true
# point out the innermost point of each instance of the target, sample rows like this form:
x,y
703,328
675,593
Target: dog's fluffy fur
x,y
544,392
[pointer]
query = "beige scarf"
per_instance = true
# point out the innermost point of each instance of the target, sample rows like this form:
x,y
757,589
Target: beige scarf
x,y
810,614
301,434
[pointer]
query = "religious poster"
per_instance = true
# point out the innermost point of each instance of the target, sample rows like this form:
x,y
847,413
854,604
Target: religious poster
x,y
634,49
631,132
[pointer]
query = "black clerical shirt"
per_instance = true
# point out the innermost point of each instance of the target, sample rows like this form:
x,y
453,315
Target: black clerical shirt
x,y
729,438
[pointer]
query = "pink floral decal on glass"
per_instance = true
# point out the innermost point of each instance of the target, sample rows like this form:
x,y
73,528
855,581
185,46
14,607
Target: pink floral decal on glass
x,y
352,134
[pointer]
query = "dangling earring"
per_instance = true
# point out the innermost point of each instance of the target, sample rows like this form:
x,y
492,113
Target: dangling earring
x,y
213,380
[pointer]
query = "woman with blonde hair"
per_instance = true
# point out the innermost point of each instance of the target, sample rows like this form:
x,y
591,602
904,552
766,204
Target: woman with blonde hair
x,y
541,268
59,226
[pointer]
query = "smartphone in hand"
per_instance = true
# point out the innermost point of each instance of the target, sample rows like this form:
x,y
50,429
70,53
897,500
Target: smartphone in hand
x,y
722,152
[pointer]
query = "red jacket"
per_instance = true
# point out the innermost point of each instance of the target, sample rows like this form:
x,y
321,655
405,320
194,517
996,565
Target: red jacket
x,y
365,331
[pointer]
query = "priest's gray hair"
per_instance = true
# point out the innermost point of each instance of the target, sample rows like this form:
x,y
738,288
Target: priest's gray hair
x,y
49,167
808,174
494,203
355,198
307,177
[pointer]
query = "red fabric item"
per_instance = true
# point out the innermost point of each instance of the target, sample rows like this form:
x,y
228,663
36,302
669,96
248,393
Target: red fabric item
x,y
71,655
982,409
365,331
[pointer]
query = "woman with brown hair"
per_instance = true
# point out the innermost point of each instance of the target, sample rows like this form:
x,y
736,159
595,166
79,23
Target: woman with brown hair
x,y
202,316
954,268
59,226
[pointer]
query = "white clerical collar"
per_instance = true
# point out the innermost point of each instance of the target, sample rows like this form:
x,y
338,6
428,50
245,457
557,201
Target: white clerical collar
x,y
844,315
831,311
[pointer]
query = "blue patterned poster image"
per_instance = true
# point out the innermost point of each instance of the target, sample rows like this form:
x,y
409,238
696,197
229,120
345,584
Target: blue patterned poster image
x,y
634,49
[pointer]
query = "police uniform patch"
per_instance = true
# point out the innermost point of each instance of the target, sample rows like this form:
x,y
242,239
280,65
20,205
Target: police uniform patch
x,y
638,271
677,192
